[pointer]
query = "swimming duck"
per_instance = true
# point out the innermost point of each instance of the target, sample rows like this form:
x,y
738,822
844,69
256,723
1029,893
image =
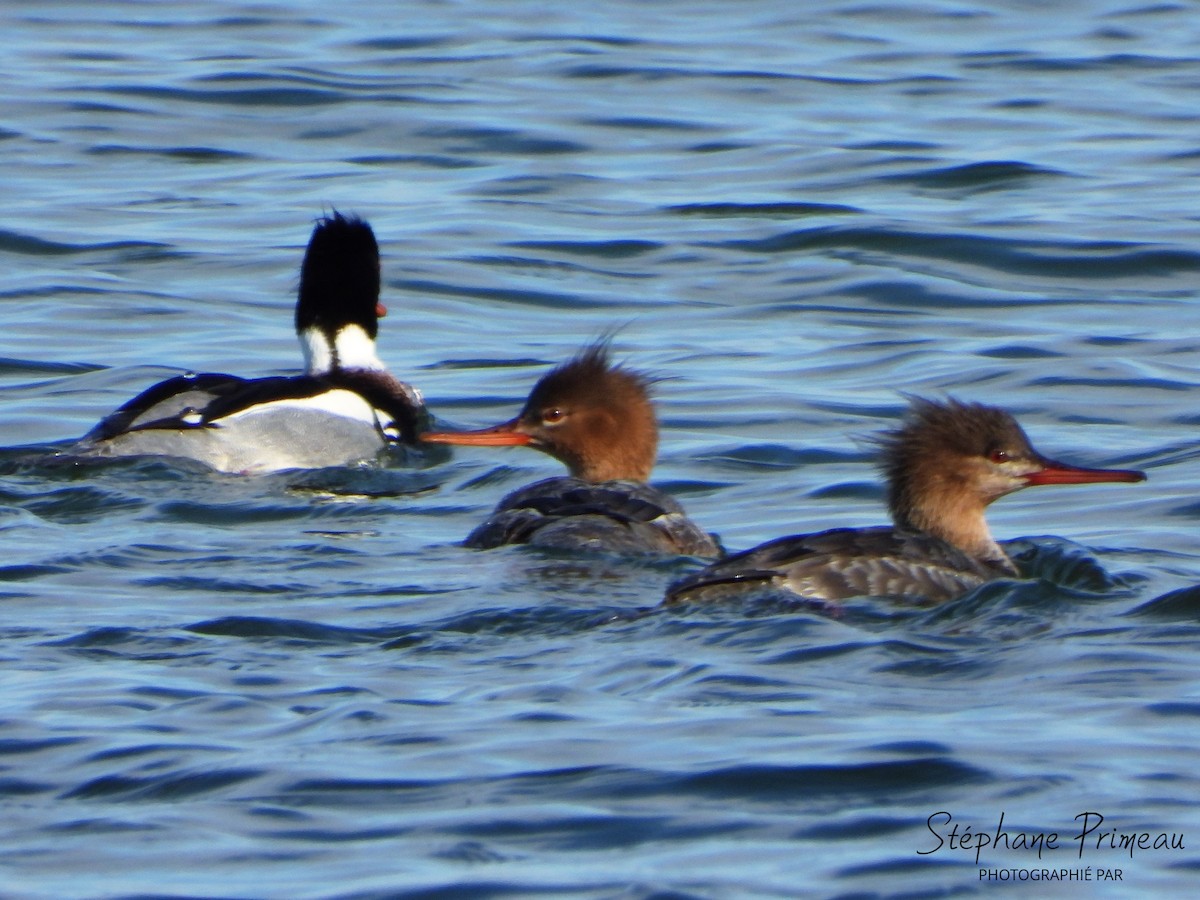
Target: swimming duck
x,y
597,418
943,466
344,408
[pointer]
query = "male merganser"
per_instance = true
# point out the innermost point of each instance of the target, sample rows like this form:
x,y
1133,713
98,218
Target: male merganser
x,y
944,465
598,419
345,407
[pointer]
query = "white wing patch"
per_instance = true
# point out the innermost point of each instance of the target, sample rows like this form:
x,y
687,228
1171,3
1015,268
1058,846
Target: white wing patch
x,y
343,403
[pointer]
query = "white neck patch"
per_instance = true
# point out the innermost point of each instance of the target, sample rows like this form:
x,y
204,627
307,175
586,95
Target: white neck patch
x,y
352,348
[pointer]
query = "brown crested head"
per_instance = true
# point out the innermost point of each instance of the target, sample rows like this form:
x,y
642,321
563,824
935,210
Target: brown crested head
x,y
594,415
948,460
945,449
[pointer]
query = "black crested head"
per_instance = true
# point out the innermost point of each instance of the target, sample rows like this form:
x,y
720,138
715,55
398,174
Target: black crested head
x,y
339,278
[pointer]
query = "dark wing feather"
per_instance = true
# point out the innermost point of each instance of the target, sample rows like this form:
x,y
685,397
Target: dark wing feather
x,y
166,401
571,514
253,391
198,401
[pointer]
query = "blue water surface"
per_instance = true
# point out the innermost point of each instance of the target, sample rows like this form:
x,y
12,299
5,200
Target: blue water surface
x,y
300,685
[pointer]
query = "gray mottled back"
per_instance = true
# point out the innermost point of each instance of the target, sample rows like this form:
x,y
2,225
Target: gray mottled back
x,y
844,563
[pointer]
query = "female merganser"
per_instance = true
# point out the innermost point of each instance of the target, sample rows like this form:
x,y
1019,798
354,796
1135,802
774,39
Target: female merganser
x,y
345,407
944,465
598,419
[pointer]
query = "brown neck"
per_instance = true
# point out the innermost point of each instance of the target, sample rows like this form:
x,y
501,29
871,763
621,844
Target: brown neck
x,y
621,465
943,510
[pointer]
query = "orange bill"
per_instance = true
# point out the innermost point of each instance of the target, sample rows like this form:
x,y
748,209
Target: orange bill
x,y
504,435
1061,473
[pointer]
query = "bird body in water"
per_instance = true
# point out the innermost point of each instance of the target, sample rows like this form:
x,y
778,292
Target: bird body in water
x,y
345,407
943,466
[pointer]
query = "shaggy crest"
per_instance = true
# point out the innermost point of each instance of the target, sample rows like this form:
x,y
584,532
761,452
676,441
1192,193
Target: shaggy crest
x,y
590,379
931,428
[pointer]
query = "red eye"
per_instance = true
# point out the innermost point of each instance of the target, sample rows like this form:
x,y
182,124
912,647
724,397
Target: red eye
x,y
552,416
999,456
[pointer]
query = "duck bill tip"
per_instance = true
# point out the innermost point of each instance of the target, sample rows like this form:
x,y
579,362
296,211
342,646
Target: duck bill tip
x,y
1060,473
380,310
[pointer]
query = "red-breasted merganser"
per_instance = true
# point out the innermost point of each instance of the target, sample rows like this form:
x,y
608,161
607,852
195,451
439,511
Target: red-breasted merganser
x,y
944,465
345,407
598,419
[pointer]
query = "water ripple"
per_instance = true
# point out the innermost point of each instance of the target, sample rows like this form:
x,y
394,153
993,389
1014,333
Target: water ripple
x,y
168,788
17,242
225,683
1092,260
